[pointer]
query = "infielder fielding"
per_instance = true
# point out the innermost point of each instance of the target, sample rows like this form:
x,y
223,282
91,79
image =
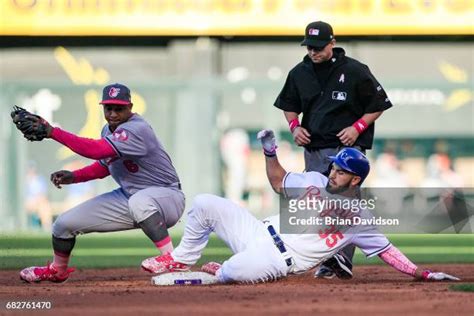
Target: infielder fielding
x,y
149,196
261,253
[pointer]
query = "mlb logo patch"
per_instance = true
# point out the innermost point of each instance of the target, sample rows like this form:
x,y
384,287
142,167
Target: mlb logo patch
x,y
113,92
339,95
313,31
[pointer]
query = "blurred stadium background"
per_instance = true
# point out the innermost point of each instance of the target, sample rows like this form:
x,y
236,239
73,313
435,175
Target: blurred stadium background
x,y
205,74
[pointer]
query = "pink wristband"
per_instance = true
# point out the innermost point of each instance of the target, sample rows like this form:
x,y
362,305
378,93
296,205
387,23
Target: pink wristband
x,y
360,125
294,123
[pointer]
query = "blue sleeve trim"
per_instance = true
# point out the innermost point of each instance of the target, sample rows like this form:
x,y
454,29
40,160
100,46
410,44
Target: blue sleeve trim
x,y
103,163
113,146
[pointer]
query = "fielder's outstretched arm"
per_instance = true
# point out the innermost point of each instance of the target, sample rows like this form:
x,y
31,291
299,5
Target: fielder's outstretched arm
x,y
35,128
86,147
275,171
395,258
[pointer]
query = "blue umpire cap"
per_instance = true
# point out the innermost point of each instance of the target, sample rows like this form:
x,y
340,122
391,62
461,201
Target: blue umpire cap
x,y
353,161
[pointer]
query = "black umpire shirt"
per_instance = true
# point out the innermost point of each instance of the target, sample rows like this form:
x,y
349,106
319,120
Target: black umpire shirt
x,y
348,92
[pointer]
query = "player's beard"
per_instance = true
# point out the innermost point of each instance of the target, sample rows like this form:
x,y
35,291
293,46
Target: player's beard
x,y
339,189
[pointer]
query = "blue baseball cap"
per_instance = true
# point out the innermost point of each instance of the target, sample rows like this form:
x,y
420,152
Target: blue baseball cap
x,y
353,161
116,94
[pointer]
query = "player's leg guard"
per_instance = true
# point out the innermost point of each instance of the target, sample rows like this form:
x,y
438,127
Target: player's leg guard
x,y
63,245
62,252
155,228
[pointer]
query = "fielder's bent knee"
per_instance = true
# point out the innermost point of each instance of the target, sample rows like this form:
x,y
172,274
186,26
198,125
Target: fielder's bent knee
x,y
140,207
62,228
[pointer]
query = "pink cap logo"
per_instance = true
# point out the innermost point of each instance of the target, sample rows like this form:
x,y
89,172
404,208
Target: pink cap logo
x,y
313,32
113,92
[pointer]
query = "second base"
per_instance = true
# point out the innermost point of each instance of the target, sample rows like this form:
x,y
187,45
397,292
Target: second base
x,y
184,278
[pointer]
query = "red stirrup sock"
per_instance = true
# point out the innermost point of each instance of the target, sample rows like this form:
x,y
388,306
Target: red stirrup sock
x,y
165,245
61,261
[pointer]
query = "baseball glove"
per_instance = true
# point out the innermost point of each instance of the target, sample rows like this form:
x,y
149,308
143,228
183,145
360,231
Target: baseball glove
x,y
33,127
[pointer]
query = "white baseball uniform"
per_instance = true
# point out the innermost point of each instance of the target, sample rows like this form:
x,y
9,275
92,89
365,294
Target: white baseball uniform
x,y
256,257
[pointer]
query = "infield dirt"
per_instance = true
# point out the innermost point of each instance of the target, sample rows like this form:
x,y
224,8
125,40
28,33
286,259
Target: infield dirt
x,y
374,290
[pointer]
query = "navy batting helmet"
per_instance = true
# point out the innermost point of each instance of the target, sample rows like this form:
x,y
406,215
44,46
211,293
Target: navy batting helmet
x,y
353,161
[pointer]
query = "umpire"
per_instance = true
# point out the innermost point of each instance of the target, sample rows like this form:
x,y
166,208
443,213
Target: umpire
x,y
340,100
339,97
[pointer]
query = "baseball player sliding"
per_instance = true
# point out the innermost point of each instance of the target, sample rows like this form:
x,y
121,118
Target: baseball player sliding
x,y
149,196
261,253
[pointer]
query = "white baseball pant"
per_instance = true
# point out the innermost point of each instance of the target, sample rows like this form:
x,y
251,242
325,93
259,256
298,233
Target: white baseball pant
x,y
255,259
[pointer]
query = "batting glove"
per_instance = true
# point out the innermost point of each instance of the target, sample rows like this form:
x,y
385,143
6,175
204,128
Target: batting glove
x,y
429,275
267,138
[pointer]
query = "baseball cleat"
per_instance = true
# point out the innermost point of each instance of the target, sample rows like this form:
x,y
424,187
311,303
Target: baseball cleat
x,y
324,272
163,264
211,267
341,266
46,273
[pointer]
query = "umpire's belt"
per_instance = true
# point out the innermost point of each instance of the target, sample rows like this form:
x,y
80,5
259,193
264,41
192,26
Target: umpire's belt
x,y
279,244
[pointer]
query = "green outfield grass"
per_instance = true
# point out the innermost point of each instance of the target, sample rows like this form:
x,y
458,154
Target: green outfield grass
x,y
467,287
128,249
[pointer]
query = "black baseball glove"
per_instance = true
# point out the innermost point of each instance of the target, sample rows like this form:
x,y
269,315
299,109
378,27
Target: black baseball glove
x,y
33,127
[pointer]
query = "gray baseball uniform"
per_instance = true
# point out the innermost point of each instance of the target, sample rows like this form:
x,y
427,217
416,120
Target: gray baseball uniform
x,y
148,183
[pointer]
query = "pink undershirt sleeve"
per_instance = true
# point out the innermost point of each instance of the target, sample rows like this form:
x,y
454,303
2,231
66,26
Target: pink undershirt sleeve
x,y
398,260
91,172
86,147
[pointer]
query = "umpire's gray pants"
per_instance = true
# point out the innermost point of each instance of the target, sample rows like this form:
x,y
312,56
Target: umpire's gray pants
x,y
318,159
113,211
